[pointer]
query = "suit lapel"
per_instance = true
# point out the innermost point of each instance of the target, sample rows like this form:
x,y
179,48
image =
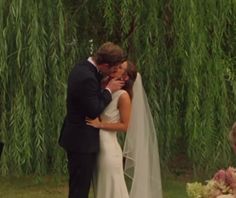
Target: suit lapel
x,y
95,71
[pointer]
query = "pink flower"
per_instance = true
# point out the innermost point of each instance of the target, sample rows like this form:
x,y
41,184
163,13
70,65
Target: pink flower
x,y
220,176
231,177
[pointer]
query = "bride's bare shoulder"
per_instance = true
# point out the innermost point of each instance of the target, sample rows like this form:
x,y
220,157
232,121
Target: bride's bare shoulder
x,y
124,97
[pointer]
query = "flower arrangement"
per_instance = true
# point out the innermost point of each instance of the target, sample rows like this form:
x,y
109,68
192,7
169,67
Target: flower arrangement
x,y
222,185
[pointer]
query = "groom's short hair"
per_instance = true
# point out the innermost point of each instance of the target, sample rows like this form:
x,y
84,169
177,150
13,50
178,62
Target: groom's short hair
x,y
110,53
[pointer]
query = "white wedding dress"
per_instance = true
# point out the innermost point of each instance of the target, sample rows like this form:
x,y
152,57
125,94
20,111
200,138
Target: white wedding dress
x,y
140,150
109,179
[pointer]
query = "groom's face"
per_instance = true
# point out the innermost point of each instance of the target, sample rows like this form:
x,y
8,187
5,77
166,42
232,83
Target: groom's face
x,y
106,69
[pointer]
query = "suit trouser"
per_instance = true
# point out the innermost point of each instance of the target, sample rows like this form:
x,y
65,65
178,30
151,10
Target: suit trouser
x,y
81,167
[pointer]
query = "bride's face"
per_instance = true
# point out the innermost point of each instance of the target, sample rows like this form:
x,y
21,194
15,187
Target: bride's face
x,y
120,71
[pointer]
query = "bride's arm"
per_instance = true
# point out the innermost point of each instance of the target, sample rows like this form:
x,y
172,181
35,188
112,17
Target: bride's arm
x,y
124,106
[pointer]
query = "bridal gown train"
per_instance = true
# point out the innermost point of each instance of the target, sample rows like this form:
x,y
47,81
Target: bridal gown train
x,y
109,179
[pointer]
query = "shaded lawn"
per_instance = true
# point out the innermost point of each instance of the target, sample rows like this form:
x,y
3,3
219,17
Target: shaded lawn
x,y
174,188
50,187
27,187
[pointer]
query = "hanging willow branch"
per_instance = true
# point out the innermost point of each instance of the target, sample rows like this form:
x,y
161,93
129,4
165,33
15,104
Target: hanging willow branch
x,y
184,50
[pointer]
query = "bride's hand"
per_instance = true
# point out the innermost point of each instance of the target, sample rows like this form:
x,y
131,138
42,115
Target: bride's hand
x,y
94,122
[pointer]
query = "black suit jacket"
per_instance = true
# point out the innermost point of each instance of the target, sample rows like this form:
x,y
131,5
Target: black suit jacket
x,y
1,148
84,99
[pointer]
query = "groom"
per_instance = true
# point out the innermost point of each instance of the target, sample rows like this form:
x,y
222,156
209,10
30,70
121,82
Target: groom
x,y
1,148
85,98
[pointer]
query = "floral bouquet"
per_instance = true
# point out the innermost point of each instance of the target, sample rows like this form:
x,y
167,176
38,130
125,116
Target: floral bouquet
x,y
222,185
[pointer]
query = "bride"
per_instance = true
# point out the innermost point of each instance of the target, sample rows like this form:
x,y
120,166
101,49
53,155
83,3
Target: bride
x,y
128,111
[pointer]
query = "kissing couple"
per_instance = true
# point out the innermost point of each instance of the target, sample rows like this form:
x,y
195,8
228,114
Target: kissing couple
x,y
105,96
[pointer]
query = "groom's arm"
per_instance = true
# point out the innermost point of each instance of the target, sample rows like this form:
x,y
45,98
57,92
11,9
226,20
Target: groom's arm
x,y
94,100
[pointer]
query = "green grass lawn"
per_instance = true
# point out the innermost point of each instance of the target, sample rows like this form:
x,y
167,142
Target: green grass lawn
x,y
50,187
174,188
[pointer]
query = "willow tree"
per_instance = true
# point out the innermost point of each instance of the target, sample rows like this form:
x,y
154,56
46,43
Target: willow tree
x,y
184,50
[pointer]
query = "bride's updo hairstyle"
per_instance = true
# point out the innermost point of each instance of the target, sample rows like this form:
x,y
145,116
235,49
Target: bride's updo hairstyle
x,y
131,72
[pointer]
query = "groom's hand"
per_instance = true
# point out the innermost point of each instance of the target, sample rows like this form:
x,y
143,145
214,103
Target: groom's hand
x,y
115,84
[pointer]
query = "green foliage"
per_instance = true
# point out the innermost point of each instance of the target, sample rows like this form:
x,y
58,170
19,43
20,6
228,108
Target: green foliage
x,y
185,51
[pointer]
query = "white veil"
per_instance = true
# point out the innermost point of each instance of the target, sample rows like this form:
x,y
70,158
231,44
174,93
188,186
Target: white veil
x,y
141,148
